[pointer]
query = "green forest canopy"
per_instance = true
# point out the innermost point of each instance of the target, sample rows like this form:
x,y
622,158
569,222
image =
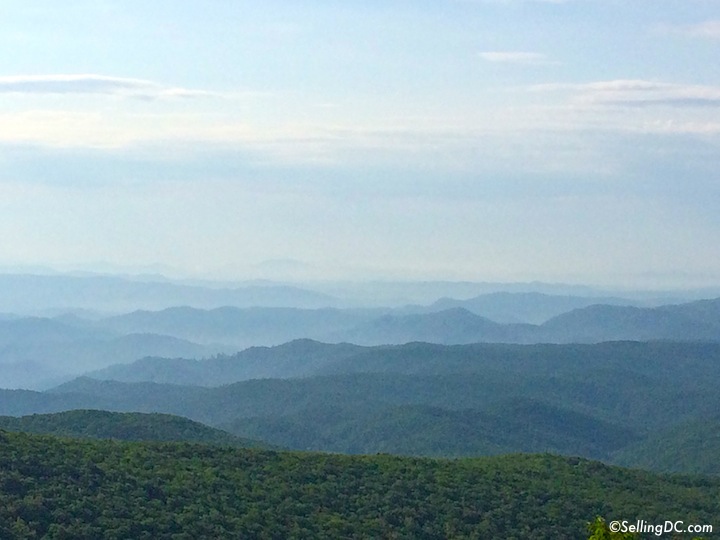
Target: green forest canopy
x,y
64,488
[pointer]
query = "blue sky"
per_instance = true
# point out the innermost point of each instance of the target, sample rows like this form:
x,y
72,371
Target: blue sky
x,y
498,140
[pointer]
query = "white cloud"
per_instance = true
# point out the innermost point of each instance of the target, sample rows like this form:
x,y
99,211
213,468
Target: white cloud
x,y
91,84
639,93
514,57
706,30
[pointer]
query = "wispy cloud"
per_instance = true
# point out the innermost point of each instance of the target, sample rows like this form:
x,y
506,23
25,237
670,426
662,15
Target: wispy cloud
x,y
92,84
705,30
515,57
639,93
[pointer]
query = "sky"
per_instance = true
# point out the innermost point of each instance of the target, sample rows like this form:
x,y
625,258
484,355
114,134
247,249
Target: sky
x,y
487,140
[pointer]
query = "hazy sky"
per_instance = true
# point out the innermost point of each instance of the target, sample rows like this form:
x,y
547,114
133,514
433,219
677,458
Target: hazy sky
x,y
501,140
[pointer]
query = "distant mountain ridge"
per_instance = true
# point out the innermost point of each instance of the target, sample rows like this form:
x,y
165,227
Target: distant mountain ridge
x,y
699,320
694,321
39,352
240,327
531,307
34,293
294,359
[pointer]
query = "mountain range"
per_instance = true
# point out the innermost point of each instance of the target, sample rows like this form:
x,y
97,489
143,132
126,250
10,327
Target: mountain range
x,y
699,320
605,401
37,352
58,293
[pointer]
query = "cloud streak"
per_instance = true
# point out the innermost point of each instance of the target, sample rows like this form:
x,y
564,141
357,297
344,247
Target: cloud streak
x,y
639,93
93,84
704,30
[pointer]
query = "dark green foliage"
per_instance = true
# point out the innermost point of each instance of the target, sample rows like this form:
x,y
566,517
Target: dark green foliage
x,y
123,426
692,447
525,426
54,488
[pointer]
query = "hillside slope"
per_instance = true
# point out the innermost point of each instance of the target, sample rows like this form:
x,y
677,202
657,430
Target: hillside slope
x,y
94,424
690,447
422,430
430,399
103,489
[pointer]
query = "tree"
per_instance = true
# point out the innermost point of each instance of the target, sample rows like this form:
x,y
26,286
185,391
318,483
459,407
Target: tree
x,y
600,530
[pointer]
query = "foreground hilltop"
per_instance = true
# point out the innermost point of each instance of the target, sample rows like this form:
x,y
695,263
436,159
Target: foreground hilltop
x,y
64,488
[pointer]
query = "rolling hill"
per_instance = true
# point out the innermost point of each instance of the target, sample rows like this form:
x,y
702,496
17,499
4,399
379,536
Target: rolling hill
x,y
690,447
595,400
517,425
95,424
110,489
298,358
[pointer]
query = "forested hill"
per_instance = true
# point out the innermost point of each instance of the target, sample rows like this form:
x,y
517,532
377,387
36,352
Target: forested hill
x,y
62,488
689,447
298,358
597,401
691,363
94,424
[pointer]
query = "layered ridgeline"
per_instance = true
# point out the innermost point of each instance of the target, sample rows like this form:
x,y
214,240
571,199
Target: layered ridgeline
x,y
38,353
62,488
605,401
698,320
38,293
521,302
